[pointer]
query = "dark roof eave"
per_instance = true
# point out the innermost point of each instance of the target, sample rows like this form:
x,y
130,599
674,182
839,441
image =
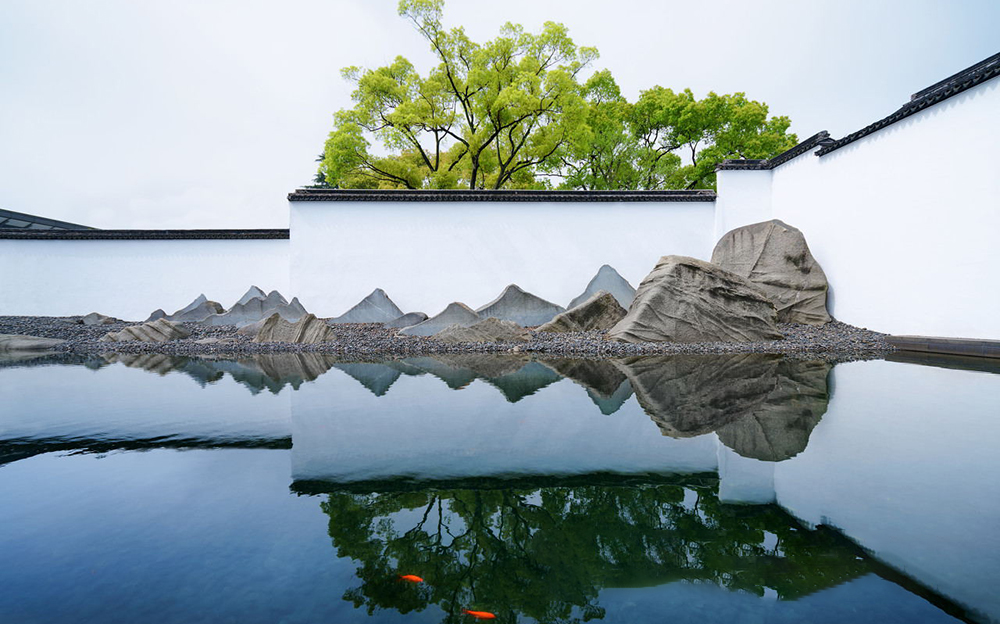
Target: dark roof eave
x,y
262,234
427,195
765,165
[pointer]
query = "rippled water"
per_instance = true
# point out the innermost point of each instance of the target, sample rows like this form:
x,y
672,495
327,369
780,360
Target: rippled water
x,y
300,488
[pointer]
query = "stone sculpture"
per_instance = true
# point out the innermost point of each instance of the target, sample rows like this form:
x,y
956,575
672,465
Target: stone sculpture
x,y
407,320
600,311
198,310
489,330
775,257
689,300
17,342
375,308
455,314
609,280
307,330
160,330
95,318
257,309
523,308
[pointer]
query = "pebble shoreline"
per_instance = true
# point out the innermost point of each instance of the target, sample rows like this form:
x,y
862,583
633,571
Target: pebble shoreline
x,y
835,341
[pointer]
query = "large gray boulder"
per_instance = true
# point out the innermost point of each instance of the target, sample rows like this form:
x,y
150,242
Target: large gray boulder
x,y
257,309
689,300
375,308
455,314
160,330
489,330
18,342
775,257
196,311
307,330
524,308
607,279
601,311
95,318
407,320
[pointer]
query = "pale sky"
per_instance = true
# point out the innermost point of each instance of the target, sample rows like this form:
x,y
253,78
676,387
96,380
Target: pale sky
x,y
206,113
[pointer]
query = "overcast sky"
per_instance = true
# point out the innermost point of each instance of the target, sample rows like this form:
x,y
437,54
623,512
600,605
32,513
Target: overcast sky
x,y
206,113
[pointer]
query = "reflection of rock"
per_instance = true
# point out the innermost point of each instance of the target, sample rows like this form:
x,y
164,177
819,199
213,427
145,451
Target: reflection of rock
x,y
456,377
490,330
375,308
455,314
307,330
376,377
606,386
407,320
780,427
775,257
526,381
689,300
521,307
690,395
601,311
196,311
16,342
258,309
160,330
608,280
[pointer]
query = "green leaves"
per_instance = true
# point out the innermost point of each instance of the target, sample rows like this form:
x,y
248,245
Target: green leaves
x,y
512,113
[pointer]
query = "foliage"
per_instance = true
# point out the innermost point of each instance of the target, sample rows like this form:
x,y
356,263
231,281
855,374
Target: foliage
x,y
511,113
546,553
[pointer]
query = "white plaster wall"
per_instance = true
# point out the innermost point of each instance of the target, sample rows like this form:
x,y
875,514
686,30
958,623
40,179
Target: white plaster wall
x,y
743,197
906,222
902,464
427,254
129,279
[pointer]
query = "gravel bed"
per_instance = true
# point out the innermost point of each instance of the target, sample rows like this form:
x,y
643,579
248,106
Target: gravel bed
x,y
834,341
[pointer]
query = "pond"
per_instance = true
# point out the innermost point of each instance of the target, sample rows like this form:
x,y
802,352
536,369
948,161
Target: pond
x,y
305,487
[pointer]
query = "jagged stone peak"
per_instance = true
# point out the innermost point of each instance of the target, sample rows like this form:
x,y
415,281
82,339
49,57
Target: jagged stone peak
x,y
377,307
274,295
456,313
518,305
609,279
200,299
253,293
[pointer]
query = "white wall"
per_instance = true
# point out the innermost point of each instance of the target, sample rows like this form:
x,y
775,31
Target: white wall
x,y
905,222
427,254
129,279
743,197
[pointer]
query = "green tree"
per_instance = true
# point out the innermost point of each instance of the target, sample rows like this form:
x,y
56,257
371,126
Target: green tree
x,y
484,117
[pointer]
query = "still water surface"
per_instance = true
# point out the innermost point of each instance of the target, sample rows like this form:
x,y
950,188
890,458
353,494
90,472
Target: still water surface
x,y
299,488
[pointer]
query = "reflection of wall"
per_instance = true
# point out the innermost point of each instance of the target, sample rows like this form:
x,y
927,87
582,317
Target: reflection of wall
x,y
129,279
422,428
904,464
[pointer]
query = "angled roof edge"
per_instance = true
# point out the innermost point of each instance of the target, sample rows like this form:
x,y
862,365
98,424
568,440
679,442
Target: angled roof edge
x,y
816,140
34,222
428,195
938,92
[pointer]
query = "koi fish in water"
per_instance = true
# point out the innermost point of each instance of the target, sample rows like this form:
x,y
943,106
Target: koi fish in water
x,y
413,578
480,615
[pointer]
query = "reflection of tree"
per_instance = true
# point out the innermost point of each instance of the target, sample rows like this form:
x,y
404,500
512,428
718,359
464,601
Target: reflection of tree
x,y
546,553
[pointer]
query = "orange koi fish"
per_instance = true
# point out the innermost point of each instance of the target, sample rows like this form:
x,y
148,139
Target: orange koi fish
x,y
480,615
413,578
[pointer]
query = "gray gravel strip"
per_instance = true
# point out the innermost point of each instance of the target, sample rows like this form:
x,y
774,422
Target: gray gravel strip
x,y
834,341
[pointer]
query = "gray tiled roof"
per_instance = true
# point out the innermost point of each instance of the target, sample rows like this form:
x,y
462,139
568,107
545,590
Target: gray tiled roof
x,y
10,220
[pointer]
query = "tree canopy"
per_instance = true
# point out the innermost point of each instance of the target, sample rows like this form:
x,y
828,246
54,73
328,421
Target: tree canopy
x,y
515,112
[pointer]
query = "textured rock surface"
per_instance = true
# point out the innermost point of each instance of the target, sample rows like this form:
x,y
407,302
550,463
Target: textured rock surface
x,y
690,395
156,315
779,429
375,308
600,311
160,330
252,293
489,330
688,300
196,311
455,314
607,279
95,318
307,330
774,256
524,308
258,309
15,342
407,320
